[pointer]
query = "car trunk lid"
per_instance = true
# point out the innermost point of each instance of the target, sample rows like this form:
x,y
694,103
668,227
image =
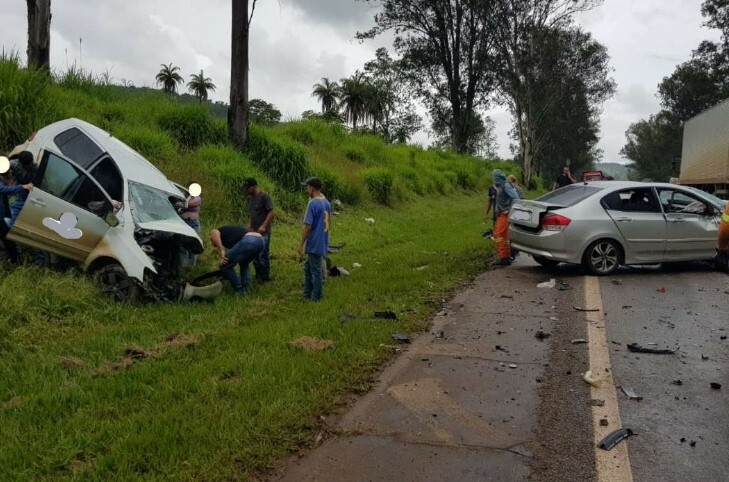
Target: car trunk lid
x,y
529,213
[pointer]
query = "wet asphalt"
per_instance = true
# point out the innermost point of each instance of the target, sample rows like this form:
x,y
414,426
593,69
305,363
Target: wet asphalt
x,y
481,397
682,424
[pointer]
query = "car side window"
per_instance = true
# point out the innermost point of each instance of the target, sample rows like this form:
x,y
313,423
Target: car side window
x,y
78,147
107,175
58,176
674,201
65,181
640,200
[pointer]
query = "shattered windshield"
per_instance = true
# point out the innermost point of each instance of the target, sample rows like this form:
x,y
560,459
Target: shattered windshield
x,y
149,204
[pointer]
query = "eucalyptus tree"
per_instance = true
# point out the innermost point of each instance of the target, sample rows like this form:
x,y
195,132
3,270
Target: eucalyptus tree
x,y
519,28
445,47
169,77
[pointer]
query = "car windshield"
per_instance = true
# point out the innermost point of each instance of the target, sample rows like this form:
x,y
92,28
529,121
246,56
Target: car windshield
x,y
149,204
710,197
569,195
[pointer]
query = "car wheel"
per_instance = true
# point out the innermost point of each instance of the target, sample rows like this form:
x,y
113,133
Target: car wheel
x,y
546,262
114,281
602,257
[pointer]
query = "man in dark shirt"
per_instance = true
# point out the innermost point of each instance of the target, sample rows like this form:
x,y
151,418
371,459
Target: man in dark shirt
x,y
564,179
260,217
491,205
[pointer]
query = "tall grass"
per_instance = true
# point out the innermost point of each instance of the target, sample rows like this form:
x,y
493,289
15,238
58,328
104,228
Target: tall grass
x,y
24,103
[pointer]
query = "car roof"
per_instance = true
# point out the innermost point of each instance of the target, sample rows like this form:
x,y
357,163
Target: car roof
x,y
629,184
133,166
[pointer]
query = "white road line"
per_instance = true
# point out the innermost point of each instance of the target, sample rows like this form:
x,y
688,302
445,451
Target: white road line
x,y
612,466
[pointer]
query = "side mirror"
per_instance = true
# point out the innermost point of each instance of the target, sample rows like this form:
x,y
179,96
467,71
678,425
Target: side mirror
x,y
711,210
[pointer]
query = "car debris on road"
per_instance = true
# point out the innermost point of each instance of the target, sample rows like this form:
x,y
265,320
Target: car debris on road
x,y
614,438
636,348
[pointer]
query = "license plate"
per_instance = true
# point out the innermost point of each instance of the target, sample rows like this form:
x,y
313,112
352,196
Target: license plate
x,y
519,215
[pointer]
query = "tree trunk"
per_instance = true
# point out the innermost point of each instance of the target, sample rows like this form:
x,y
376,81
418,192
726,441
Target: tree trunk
x,y
39,34
238,109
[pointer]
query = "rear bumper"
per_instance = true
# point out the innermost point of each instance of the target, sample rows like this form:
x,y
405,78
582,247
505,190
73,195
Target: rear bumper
x,y
547,244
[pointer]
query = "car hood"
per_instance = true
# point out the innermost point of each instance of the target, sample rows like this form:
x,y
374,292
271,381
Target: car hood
x,y
175,227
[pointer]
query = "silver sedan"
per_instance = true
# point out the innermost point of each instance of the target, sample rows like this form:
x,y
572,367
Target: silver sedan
x,y
603,225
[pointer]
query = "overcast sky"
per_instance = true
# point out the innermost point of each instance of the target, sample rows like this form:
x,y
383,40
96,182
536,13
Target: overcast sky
x,y
296,42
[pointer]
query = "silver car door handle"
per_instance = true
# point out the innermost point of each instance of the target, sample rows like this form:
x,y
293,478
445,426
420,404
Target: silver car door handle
x,y
676,220
38,202
623,219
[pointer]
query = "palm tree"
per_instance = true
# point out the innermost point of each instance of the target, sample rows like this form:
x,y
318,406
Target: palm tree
x,y
328,94
169,77
380,102
354,98
199,86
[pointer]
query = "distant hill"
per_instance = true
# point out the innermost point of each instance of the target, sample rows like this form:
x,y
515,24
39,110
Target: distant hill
x,y
614,169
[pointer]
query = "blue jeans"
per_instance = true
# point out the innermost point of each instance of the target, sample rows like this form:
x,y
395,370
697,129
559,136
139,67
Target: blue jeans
x,y
187,258
244,251
313,277
263,262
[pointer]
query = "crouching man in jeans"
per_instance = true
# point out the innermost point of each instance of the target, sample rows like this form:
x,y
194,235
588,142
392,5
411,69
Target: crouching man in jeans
x,y
243,252
315,239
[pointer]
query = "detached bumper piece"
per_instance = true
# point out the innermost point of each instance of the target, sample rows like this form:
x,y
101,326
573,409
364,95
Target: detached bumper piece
x,y
204,287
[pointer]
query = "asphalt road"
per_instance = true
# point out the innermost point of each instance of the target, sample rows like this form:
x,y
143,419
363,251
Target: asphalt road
x,y
496,391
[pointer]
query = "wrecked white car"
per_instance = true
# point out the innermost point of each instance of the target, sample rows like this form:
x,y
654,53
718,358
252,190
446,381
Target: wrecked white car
x,y
101,204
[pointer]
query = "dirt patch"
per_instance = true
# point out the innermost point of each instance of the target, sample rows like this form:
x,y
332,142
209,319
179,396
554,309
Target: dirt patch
x,y
136,353
131,356
70,363
308,343
14,402
184,341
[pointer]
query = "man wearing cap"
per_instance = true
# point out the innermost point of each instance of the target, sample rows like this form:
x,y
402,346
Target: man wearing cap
x,y
260,215
315,239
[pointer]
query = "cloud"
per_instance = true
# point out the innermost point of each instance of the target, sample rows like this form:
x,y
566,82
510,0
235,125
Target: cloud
x,y
346,17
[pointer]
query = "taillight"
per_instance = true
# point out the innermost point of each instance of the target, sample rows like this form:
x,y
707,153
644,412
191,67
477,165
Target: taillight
x,y
32,136
555,222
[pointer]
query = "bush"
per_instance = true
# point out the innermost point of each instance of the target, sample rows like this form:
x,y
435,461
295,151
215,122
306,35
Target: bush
x,y
465,179
282,161
192,126
355,154
411,179
153,144
379,181
332,183
300,133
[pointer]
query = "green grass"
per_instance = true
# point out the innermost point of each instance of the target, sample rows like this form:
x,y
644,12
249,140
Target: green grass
x,y
242,397
237,397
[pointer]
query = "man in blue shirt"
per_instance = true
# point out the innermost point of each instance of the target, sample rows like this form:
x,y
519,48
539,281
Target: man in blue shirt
x,y
315,239
11,250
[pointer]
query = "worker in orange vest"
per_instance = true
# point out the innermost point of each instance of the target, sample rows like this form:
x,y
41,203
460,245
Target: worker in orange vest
x,y
722,244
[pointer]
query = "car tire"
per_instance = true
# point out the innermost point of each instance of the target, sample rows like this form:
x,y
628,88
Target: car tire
x,y
546,262
113,280
603,257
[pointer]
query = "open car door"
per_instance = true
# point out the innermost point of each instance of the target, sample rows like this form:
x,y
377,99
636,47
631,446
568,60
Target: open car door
x,y
67,212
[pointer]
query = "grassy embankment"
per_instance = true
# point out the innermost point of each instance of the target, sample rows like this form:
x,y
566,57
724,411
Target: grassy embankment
x,y
92,389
